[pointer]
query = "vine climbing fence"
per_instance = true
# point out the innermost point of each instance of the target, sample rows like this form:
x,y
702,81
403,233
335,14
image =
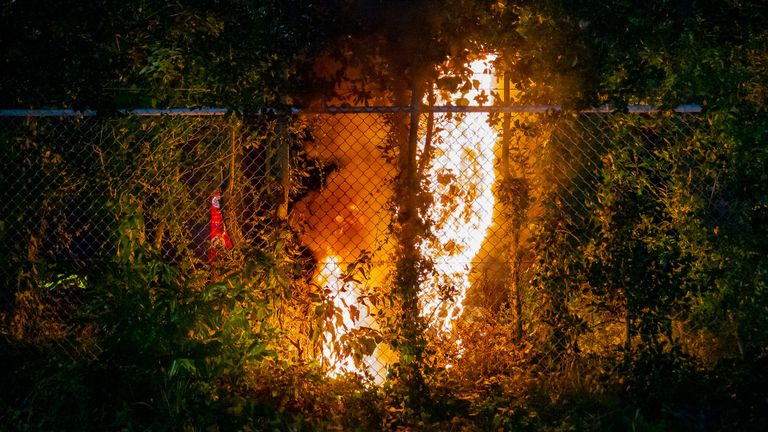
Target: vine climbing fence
x,y
546,233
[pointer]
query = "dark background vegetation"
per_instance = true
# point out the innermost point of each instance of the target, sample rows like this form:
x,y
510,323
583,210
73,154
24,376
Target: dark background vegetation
x,y
178,352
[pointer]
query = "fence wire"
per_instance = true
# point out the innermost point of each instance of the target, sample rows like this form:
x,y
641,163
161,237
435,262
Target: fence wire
x,y
522,215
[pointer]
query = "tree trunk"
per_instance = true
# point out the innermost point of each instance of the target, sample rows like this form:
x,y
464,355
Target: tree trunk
x,y
284,164
735,331
505,132
407,278
517,296
628,332
426,153
515,216
231,207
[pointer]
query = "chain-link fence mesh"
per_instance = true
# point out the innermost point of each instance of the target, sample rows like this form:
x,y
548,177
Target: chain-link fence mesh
x,y
569,232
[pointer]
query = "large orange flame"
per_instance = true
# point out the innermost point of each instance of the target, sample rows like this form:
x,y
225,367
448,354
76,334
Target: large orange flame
x,y
461,177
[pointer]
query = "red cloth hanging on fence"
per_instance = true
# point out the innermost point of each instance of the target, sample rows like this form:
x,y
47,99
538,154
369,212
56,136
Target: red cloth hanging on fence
x,y
220,242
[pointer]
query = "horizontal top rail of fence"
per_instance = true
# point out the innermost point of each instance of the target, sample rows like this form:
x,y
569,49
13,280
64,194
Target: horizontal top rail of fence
x,y
207,111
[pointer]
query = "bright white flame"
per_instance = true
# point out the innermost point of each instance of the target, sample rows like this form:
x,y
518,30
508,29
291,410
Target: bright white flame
x,y
352,314
342,296
461,178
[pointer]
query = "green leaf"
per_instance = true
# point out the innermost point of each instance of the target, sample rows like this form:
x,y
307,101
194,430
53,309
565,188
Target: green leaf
x,y
182,366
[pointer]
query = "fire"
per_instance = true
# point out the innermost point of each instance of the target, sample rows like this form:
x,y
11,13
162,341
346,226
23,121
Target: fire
x,y
460,178
342,298
349,314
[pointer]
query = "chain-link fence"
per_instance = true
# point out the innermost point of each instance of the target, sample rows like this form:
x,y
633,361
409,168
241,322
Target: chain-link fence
x,y
575,233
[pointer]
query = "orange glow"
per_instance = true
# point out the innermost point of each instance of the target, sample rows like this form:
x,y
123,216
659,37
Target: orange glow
x,y
342,222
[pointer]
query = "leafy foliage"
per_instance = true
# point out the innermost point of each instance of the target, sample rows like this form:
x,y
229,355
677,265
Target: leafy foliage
x,y
660,243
